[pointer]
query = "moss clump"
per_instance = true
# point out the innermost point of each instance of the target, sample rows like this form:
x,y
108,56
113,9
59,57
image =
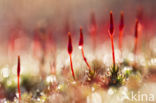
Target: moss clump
x,y
116,78
33,84
98,69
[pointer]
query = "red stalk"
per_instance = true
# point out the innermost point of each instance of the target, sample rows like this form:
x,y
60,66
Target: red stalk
x,y
111,31
71,65
121,26
81,47
85,59
18,77
113,53
136,36
70,49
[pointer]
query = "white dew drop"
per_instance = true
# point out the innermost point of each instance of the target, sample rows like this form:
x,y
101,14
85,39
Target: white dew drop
x,y
38,99
94,98
51,79
5,72
123,94
110,91
152,62
93,89
126,68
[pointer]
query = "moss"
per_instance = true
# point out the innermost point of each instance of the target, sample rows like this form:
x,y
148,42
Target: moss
x,y
116,77
10,93
10,90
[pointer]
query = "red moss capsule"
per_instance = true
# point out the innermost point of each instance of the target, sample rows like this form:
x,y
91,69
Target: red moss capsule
x,y
136,28
111,28
70,47
121,25
18,77
18,66
136,36
81,38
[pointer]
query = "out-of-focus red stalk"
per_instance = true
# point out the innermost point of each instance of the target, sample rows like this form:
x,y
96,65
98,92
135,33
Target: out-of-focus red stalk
x,y
111,31
12,43
121,26
18,77
53,68
70,49
136,36
81,47
36,44
15,32
93,30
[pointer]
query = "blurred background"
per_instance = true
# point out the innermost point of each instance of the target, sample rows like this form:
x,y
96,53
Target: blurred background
x,y
69,15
